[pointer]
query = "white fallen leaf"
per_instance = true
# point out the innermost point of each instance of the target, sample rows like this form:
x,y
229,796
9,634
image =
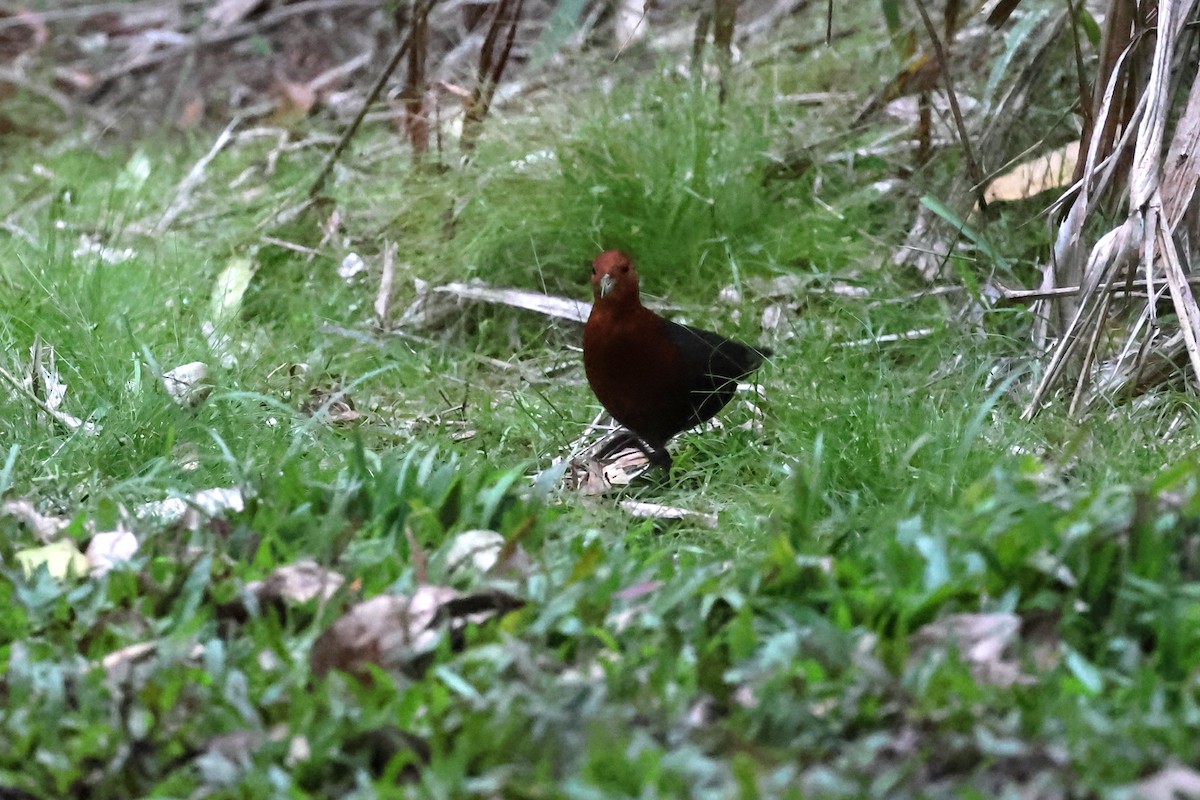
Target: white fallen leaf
x,y
43,526
190,511
477,548
109,548
297,583
630,24
644,510
219,344
1172,782
772,316
186,383
480,550
351,265
224,13
49,382
398,632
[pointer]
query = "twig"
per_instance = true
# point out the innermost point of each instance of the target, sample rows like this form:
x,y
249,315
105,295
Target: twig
x,y
61,14
491,69
724,24
380,82
19,232
383,298
272,18
68,421
183,192
415,93
59,99
1089,355
1125,287
973,167
888,338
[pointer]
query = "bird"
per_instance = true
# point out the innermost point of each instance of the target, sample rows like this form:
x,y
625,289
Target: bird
x,y
656,378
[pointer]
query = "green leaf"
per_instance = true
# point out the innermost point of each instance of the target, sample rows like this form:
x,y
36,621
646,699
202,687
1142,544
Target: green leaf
x,y
229,290
973,236
1087,673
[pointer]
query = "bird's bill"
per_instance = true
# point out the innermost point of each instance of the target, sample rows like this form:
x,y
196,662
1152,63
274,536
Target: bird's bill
x,y
607,282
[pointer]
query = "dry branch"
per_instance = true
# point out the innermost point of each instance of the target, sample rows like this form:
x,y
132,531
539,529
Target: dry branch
x,y
319,183
491,69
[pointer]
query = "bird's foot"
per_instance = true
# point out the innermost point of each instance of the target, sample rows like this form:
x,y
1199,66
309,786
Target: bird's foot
x,y
622,440
660,458
625,438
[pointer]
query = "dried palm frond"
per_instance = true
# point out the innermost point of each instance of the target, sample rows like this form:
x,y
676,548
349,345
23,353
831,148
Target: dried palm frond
x,y
1111,348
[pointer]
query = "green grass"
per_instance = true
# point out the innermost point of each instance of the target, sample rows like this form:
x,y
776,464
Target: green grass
x,y
891,485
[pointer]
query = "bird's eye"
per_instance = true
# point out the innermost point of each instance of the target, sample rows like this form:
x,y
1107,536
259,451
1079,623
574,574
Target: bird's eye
x,y
624,268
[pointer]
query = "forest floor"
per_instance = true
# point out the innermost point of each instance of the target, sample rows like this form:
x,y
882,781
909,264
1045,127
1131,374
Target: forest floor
x,y
333,554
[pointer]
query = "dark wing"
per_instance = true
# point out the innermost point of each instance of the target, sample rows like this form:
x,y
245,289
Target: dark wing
x,y
714,364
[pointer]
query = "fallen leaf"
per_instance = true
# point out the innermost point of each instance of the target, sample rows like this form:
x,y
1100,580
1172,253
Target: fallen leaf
x,y
297,583
192,113
643,510
982,640
109,548
229,289
186,383
630,25
336,405
226,13
62,559
1051,170
133,176
480,550
43,526
589,476
351,265
1173,782
191,511
293,102
399,632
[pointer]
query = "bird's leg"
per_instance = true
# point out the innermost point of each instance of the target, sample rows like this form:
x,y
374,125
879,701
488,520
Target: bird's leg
x,y
657,456
624,438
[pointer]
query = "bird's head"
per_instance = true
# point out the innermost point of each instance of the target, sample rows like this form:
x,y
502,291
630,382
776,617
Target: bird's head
x,y
614,279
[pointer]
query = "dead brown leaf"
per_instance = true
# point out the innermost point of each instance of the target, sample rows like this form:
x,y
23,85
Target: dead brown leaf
x,y
984,641
26,32
335,403
400,632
